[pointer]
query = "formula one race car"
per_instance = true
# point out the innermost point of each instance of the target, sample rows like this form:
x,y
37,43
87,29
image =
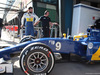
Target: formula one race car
x,y
37,56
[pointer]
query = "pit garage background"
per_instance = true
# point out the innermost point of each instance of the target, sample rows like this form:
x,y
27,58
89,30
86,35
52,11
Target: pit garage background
x,y
68,13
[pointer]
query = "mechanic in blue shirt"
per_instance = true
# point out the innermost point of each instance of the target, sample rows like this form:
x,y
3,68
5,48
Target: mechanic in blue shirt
x,y
46,21
29,19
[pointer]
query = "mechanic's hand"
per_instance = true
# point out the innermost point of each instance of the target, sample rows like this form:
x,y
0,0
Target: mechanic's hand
x,y
56,24
22,26
34,24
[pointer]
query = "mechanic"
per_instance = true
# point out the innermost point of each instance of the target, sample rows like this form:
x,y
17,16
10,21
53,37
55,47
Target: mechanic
x,y
28,20
97,24
46,21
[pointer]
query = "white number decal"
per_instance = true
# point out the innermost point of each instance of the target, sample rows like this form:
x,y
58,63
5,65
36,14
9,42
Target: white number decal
x,y
58,46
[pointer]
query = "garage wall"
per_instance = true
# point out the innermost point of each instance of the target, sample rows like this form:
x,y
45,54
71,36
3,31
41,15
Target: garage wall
x,y
87,2
84,2
41,7
83,16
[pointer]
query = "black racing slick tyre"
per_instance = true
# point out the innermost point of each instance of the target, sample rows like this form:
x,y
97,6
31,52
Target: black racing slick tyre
x,y
27,38
37,59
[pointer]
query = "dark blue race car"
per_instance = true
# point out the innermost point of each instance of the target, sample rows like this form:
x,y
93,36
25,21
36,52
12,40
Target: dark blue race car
x,y
37,56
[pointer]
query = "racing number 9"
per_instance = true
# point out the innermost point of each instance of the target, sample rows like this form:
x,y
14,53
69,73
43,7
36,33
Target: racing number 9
x,y
58,46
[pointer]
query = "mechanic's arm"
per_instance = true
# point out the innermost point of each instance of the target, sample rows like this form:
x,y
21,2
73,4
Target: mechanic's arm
x,y
51,24
36,17
36,23
22,21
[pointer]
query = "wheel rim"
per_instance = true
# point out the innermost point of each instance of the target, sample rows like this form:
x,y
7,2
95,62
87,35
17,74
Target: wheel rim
x,y
37,62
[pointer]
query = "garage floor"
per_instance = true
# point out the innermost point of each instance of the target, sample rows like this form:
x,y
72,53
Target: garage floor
x,y
65,68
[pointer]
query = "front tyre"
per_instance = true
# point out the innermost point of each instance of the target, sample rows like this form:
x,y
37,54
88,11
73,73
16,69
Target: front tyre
x,y
27,38
37,59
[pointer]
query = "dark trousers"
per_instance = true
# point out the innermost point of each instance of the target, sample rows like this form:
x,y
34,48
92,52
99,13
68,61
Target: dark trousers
x,y
46,32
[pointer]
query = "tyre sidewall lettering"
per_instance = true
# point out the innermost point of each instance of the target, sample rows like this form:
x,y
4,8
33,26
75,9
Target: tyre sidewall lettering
x,y
34,48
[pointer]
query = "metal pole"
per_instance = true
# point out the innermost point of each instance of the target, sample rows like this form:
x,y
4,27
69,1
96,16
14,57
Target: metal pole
x,y
39,33
56,32
60,33
51,32
13,33
67,32
21,33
